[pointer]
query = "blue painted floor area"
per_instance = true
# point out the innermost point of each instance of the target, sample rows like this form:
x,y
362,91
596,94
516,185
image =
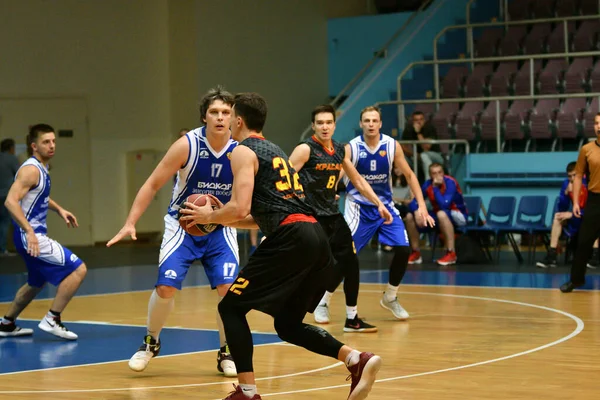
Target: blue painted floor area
x,y
99,343
536,280
105,280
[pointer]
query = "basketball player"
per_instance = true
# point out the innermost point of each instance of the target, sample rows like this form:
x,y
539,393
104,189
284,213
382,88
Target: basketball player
x,y
373,154
200,159
319,161
285,276
28,201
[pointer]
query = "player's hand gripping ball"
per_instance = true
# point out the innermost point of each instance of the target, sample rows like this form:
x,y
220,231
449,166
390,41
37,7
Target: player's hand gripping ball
x,y
198,229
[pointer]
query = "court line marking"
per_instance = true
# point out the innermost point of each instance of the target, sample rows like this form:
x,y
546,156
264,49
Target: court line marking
x,y
580,326
578,329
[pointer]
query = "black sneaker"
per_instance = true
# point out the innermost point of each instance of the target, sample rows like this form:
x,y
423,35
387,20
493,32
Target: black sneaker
x,y
225,364
358,325
594,261
12,330
549,261
148,350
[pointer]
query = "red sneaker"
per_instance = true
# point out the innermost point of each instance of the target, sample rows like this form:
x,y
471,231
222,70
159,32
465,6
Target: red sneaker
x,y
363,375
238,394
448,259
415,258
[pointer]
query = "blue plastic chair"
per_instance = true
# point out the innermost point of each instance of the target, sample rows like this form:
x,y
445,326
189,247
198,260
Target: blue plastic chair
x,y
530,219
499,216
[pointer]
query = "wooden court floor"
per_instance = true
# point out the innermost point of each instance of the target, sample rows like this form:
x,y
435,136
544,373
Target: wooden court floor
x,y
460,343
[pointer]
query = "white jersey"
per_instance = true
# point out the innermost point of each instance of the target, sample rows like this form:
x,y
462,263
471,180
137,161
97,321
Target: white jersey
x,y
35,202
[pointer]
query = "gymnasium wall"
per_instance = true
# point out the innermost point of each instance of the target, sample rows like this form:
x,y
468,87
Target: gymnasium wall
x,y
142,65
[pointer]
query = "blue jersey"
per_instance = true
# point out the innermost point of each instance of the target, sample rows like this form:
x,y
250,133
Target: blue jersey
x,y
205,171
35,202
375,165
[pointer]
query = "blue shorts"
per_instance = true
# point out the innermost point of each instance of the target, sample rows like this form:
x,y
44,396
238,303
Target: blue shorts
x,y
572,226
364,221
217,251
54,263
457,218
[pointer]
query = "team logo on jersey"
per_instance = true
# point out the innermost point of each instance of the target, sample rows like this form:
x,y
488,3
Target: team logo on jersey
x,y
73,258
382,153
328,167
203,154
229,156
362,154
318,154
171,274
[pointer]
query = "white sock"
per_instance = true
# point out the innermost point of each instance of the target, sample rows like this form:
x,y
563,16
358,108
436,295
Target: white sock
x,y
158,312
351,312
326,299
222,339
249,390
353,358
391,292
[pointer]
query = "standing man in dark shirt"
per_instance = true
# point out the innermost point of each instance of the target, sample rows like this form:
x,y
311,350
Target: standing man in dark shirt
x,y
426,152
319,161
9,165
588,163
286,276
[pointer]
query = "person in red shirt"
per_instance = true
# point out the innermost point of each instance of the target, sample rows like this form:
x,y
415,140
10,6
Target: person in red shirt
x,y
449,211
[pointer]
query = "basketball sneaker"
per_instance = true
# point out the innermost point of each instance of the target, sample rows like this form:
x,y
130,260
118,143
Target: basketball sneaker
x,y
150,348
395,307
55,327
238,394
549,261
358,325
225,363
415,258
448,259
363,375
12,330
321,314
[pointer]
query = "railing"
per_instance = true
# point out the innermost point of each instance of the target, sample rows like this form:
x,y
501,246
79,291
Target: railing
x,y
415,143
531,59
470,43
498,99
378,55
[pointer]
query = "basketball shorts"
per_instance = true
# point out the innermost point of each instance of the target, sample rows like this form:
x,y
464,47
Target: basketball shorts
x,y
54,263
572,226
288,271
339,235
457,218
218,252
364,221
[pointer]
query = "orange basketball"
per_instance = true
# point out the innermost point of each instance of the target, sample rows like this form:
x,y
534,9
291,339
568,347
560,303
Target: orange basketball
x,y
198,229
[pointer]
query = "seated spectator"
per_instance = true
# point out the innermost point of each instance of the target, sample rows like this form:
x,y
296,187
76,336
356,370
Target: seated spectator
x,y
427,153
565,222
449,211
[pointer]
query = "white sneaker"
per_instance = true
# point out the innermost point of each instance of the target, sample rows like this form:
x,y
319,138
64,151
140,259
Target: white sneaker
x,y
55,327
394,307
12,330
140,360
225,363
321,314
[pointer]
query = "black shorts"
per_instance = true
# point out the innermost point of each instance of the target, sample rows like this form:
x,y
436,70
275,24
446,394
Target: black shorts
x,y
339,236
289,270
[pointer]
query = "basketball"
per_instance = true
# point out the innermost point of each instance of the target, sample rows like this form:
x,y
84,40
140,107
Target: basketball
x,y
198,229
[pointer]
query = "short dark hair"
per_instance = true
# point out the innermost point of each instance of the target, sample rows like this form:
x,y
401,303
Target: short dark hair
x,y
252,107
435,164
214,94
324,108
417,112
370,108
6,145
34,133
571,166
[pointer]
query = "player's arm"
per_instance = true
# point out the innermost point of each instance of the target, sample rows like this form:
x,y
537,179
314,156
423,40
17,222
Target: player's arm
x,y
244,165
26,179
300,156
580,169
246,223
67,216
167,167
413,183
363,186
